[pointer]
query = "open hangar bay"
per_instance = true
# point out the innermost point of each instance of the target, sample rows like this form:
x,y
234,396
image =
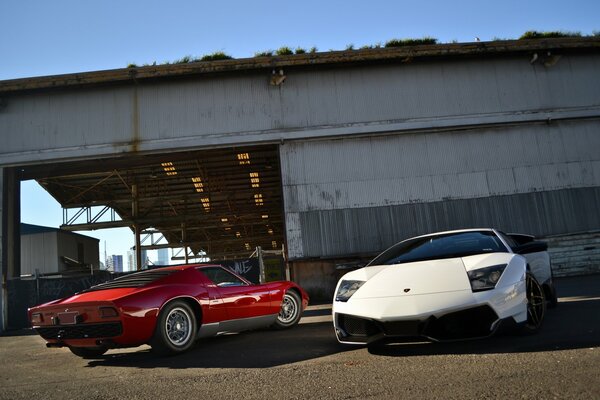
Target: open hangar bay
x,y
330,157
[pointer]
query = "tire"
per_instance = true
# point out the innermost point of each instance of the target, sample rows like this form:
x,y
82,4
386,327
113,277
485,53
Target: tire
x,y
176,329
536,305
290,312
88,352
551,297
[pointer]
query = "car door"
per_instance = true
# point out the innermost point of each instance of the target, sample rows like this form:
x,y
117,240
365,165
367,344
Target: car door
x,y
240,298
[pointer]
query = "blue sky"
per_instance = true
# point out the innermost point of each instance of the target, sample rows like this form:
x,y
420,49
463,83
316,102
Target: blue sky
x,y
41,37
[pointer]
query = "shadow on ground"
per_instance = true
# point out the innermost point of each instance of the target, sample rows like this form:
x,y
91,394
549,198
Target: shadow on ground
x,y
256,349
574,324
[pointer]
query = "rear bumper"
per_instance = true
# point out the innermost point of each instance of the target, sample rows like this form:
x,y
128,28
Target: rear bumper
x,y
81,335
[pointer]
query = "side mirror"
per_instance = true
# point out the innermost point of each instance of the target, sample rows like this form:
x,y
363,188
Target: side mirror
x,y
531,247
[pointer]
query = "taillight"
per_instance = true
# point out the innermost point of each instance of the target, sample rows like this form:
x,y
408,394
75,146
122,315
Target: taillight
x,y
37,318
108,312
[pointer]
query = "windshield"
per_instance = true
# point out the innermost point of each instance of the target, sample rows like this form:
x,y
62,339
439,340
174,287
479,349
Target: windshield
x,y
450,245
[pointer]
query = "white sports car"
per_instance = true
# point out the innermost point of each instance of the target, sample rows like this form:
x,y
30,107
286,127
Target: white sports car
x,y
446,286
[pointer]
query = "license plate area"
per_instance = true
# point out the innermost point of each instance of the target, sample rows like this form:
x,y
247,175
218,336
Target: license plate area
x,y
67,318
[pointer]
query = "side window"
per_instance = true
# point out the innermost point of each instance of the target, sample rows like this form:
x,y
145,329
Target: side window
x,y
221,277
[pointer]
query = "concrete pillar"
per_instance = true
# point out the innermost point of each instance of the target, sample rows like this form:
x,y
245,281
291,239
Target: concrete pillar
x,y
3,293
10,235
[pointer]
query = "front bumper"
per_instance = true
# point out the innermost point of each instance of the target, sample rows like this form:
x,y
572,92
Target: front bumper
x,y
476,322
435,316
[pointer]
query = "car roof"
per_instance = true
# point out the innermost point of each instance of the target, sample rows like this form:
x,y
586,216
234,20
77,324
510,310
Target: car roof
x,y
181,267
453,231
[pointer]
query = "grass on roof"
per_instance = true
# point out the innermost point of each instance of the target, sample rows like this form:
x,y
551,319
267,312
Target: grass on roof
x,y
548,34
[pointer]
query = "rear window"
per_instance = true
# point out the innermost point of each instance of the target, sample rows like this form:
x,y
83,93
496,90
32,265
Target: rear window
x,y
450,245
132,280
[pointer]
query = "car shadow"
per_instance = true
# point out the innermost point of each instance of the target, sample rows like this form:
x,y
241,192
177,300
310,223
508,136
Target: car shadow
x,y
254,349
572,325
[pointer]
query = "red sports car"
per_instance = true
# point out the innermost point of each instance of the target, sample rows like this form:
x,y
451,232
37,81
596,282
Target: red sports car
x,y
167,308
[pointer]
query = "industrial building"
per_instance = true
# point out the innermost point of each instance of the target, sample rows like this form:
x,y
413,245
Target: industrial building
x,y
46,250
329,157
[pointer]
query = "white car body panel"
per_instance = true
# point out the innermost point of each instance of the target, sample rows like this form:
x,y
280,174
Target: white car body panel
x,y
422,290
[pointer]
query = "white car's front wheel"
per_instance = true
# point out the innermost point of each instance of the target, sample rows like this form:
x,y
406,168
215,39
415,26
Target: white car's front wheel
x,y
536,304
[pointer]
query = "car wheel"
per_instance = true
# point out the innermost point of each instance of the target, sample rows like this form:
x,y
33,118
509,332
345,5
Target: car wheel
x,y
176,329
551,298
536,305
88,352
290,311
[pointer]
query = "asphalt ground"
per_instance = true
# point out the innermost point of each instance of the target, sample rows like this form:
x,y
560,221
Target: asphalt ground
x,y
562,361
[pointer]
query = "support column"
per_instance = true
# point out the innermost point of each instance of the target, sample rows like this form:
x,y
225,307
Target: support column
x,y
3,293
136,227
10,235
184,241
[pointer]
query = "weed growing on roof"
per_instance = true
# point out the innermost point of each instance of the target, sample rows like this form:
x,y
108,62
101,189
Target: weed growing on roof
x,y
410,42
267,53
218,55
284,51
549,34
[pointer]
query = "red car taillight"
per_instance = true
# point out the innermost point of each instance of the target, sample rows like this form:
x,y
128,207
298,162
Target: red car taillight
x,y
108,312
37,318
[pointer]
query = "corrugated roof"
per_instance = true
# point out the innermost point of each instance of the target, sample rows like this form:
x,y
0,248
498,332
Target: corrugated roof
x,y
378,55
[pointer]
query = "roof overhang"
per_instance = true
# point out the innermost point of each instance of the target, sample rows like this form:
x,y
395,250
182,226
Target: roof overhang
x,y
403,54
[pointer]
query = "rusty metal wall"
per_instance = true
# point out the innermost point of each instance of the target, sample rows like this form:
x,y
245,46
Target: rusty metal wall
x,y
360,195
222,110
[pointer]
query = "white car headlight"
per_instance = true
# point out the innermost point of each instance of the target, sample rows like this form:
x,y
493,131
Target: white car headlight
x,y
347,289
485,278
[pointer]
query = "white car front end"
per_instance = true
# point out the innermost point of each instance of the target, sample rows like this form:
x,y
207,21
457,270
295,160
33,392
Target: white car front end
x,y
439,299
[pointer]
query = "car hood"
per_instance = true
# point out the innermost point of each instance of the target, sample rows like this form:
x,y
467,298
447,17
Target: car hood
x,y
421,277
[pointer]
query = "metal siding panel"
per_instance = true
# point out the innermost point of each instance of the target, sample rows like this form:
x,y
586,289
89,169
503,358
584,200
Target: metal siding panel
x,y
342,233
367,172
241,109
501,181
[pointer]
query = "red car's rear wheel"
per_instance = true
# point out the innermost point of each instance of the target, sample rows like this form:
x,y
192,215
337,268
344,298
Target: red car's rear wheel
x,y
175,329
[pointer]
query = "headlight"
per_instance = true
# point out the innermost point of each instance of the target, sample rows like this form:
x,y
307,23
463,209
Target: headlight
x,y
485,278
347,289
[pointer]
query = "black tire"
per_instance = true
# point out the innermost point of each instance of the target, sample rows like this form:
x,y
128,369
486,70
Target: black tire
x,y
88,352
551,297
176,329
290,312
536,305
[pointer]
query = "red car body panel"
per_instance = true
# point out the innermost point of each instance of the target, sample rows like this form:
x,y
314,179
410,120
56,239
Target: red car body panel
x,y
86,320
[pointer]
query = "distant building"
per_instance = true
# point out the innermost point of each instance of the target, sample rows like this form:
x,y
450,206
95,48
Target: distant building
x,y
52,250
117,263
131,263
163,257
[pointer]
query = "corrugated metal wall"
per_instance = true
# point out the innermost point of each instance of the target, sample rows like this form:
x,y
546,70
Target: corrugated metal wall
x,y
39,252
224,109
358,196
